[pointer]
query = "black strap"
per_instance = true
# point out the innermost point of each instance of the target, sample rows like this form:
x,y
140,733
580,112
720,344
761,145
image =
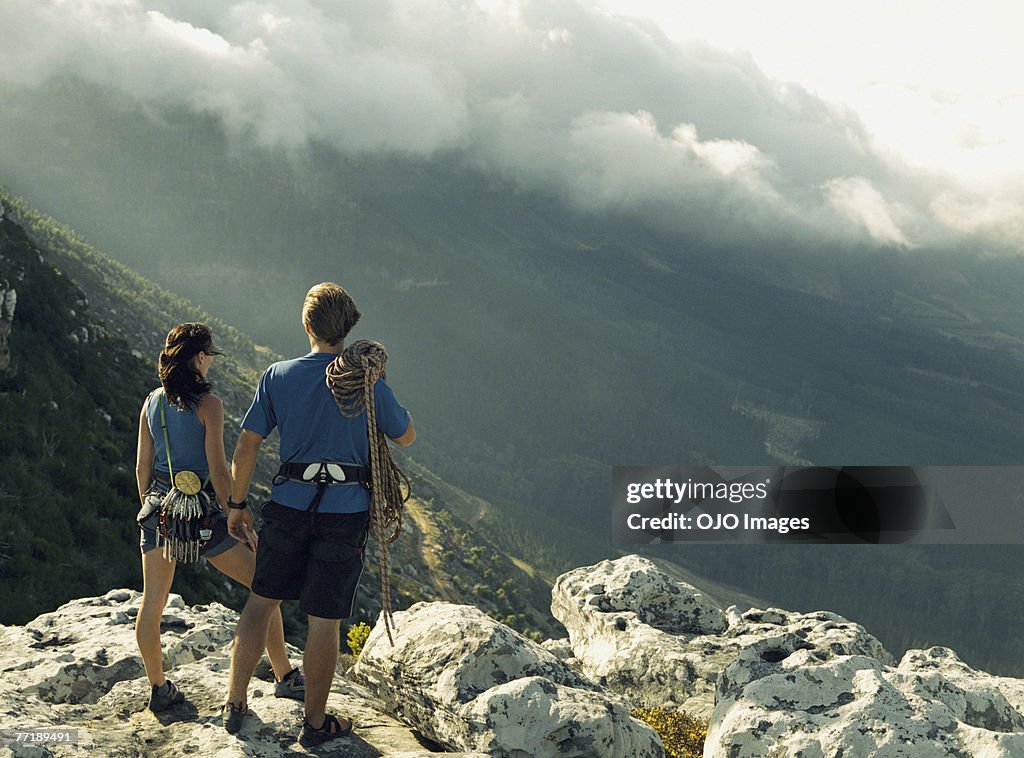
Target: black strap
x,y
160,476
320,473
304,472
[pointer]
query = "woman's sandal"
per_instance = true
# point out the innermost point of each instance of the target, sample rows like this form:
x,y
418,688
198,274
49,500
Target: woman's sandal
x,y
330,730
163,697
233,716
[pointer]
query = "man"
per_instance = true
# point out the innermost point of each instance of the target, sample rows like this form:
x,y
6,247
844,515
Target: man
x,y
314,529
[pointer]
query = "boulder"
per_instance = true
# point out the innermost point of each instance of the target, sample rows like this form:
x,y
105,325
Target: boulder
x,y
8,302
559,648
660,643
471,683
774,699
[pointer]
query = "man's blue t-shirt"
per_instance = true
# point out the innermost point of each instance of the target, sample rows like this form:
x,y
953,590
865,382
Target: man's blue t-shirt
x,y
293,396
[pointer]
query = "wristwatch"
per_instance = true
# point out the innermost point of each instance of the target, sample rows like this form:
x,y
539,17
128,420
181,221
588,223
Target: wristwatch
x,y
238,506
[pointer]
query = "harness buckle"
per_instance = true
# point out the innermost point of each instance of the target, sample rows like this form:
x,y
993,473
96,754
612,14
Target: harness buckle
x,y
324,473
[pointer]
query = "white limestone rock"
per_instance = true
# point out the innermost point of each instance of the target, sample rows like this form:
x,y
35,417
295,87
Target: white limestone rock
x,y
993,703
79,667
636,585
559,648
662,644
774,699
471,683
78,652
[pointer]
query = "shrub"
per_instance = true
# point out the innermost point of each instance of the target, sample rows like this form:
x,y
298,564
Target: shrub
x,y
682,735
357,636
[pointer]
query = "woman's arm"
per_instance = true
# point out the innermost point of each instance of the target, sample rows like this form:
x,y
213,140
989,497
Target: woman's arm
x,y
145,454
211,413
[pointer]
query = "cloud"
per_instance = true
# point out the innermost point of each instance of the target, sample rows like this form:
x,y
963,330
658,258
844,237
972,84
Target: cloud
x,y
404,285
281,73
861,203
557,96
996,215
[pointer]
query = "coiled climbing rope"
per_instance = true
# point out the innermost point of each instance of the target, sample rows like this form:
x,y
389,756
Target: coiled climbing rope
x,y
351,378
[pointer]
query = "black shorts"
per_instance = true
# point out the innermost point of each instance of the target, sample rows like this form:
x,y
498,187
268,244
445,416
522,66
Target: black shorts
x,y
316,560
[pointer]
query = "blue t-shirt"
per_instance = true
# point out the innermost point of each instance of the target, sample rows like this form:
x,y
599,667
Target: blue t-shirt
x,y
293,397
186,434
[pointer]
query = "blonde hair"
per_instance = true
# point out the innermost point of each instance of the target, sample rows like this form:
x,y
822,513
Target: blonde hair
x,y
329,312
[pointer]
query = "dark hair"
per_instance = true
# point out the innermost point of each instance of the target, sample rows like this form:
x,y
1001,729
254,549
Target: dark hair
x,y
329,312
182,383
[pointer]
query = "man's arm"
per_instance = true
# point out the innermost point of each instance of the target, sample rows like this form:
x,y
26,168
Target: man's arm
x,y
408,437
243,464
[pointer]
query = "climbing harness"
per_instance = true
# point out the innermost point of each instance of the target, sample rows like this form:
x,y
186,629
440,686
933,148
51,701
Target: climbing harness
x,y
323,474
351,377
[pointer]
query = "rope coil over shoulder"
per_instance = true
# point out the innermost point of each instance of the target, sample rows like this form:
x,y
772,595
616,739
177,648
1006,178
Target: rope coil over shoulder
x,y
351,377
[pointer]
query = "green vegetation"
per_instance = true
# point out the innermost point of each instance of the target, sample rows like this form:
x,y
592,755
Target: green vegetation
x,y
357,636
908,596
682,735
69,404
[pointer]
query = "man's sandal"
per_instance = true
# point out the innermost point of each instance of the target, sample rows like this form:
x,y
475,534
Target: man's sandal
x,y
330,730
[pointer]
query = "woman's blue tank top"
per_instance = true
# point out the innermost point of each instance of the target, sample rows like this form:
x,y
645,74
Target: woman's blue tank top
x,y
186,434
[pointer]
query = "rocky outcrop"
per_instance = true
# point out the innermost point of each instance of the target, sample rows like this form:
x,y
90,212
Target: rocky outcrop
x,y
661,643
930,706
78,667
776,683
470,683
8,303
13,273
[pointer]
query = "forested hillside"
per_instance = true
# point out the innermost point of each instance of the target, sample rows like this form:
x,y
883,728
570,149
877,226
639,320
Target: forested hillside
x,y
908,595
77,368
69,401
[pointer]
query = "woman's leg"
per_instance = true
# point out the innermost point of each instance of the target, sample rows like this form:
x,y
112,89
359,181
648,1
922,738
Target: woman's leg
x,y
239,563
157,575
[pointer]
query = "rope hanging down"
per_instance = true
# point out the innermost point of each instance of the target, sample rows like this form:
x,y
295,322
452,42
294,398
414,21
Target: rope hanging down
x,y
351,377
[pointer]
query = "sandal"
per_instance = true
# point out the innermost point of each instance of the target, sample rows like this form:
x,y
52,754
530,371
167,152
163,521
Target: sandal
x,y
330,730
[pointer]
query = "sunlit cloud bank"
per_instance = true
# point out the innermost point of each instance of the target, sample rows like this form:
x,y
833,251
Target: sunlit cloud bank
x,y
561,97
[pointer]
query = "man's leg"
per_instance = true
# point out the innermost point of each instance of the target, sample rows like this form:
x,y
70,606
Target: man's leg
x,y
239,563
328,595
319,662
250,640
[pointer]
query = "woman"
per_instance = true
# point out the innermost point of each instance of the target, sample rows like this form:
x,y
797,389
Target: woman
x,y
195,431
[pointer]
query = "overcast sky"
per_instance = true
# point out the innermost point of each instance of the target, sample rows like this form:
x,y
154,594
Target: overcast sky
x,y
894,123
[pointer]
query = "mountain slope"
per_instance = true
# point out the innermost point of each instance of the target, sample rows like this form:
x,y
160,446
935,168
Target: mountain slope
x,y
83,329
540,345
